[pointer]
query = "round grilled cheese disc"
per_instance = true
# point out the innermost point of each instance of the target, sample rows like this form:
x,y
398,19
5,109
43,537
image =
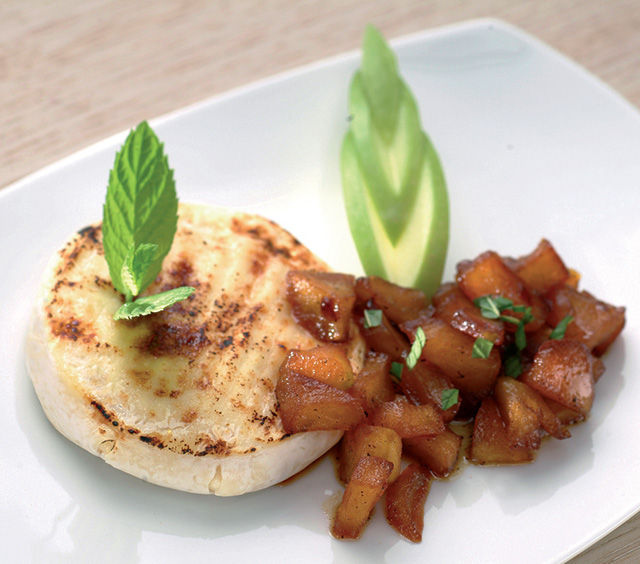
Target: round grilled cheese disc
x,y
183,398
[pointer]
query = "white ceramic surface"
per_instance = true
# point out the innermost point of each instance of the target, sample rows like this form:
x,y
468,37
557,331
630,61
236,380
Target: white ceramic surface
x,y
532,147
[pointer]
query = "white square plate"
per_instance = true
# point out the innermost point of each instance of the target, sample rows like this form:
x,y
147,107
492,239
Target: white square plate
x,y
532,147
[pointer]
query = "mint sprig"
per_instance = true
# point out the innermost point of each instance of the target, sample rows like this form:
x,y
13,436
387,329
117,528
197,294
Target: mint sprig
x,y
140,217
154,303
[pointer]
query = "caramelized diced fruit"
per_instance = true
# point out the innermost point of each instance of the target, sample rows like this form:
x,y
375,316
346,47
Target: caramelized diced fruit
x,y
425,384
565,415
595,323
306,404
490,442
562,371
488,274
452,306
452,353
385,338
439,453
317,389
322,302
373,385
368,482
525,413
574,279
542,269
369,440
328,363
405,502
397,303
406,419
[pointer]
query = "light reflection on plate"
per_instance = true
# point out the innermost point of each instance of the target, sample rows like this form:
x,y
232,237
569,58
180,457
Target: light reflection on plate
x,y
532,147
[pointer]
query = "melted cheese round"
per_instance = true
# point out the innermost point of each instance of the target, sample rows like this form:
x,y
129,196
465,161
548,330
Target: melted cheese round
x,y
184,398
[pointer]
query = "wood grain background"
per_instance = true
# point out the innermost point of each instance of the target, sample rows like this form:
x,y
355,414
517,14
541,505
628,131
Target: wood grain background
x,y
73,72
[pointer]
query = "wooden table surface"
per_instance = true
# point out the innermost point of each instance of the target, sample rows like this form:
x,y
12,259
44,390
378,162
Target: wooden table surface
x,y
73,72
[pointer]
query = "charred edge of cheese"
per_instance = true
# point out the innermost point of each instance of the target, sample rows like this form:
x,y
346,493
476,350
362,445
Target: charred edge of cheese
x,y
157,451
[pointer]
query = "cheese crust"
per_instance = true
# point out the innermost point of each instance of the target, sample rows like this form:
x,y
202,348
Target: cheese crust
x,y
184,398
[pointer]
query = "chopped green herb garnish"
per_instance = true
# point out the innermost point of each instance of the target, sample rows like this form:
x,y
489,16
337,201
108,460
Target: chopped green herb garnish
x,y
372,318
513,365
416,348
396,370
394,188
139,221
449,398
561,328
492,307
521,337
481,348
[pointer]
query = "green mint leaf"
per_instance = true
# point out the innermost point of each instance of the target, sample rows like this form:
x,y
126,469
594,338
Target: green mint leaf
x,y
396,370
528,316
449,398
416,348
513,365
141,208
135,266
393,184
152,304
521,336
561,328
372,318
491,307
502,303
481,348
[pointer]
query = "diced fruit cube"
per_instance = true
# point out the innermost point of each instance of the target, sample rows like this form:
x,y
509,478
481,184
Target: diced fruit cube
x,y
384,338
328,363
322,302
565,415
369,440
488,274
453,306
367,485
374,385
405,502
425,384
562,371
490,442
406,419
307,404
398,303
595,323
451,351
525,413
542,269
439,454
